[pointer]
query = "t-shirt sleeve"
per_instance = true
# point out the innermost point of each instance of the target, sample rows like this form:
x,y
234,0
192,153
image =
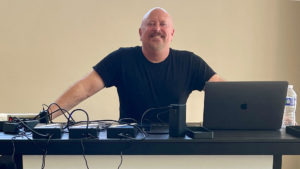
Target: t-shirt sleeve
x,y
201,72
109,68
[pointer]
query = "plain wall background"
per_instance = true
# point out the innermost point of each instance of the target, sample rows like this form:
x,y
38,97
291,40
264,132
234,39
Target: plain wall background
x,y
46,46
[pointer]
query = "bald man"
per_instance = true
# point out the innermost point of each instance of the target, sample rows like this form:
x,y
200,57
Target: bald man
x,y
149,76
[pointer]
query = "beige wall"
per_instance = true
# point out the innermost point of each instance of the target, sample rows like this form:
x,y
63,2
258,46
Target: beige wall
x,y
45,46
151,162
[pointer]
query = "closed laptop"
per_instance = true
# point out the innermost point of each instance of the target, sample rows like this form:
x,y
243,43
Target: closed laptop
x,y
244,105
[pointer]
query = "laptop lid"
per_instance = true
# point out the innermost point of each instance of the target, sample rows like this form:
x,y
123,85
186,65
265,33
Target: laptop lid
x,y
244,105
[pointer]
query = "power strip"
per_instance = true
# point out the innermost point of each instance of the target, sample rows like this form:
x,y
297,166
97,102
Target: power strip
x,y
10,116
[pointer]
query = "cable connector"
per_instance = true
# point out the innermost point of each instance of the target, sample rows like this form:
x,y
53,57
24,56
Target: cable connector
x,y
44,116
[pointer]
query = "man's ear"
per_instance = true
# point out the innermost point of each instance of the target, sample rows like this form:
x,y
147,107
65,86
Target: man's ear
x,y
172,34
140,33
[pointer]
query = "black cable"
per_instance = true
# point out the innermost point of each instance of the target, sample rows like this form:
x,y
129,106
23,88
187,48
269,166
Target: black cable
x,y
43,105
150,109
99,121
87,119
125,119
142,131
22,134
14,150
25,125
87,134
107,120
83,153
46,151
50,114
121,162
158,114
138,128
59,109
122,135
103,124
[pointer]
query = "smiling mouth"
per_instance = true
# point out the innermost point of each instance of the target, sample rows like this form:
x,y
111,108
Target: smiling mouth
x,y
157,37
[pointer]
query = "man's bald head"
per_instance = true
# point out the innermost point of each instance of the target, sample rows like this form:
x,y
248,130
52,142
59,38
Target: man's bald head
x,y
156,9
156,31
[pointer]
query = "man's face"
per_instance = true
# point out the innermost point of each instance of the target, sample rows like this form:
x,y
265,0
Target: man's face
x,y
157,30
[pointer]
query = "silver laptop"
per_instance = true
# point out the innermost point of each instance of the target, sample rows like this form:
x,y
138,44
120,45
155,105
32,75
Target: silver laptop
x,y
244,105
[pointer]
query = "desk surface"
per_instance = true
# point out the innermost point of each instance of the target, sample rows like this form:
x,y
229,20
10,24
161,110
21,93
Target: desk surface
x,y
223,143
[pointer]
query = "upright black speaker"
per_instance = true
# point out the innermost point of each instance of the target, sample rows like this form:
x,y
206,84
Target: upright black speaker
x,y
177,120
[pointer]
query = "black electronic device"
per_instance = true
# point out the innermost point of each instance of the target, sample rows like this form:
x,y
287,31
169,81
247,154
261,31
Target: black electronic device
x,y
157,128
1,125
121,131
14,126
177,120
44,131
199,132
293,130
81,130
44,116
11,127
13,120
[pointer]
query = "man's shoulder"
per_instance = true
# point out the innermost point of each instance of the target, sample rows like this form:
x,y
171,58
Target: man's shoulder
x,y
177,52
180,50
126,52
183,54
129,49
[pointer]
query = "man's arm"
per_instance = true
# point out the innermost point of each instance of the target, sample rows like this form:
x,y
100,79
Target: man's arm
x,y
215,78
80,91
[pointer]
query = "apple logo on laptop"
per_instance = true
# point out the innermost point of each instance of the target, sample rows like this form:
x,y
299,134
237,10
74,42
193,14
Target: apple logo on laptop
x,y
244,106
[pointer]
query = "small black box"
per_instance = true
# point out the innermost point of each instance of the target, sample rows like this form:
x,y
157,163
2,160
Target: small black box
x,y
199,132
80,130
11,127
1,125
121,131
293,130
54,129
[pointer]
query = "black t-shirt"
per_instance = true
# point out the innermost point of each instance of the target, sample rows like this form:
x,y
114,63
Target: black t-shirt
x,y
142,84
